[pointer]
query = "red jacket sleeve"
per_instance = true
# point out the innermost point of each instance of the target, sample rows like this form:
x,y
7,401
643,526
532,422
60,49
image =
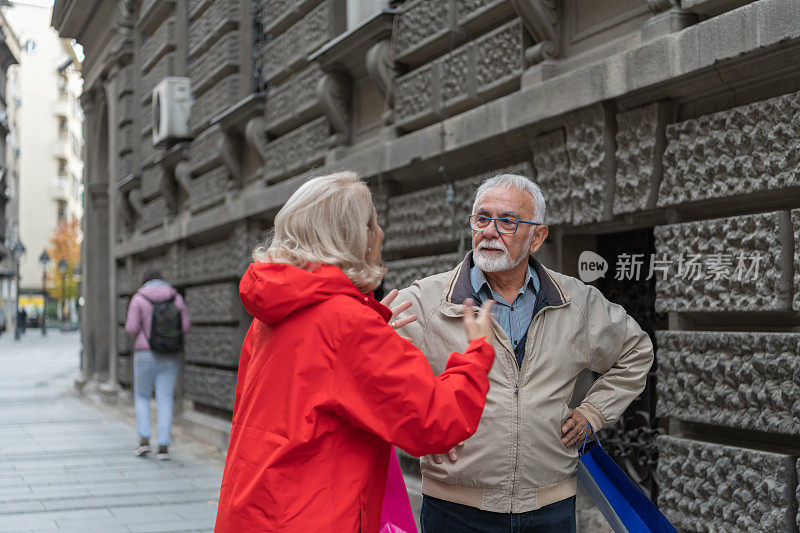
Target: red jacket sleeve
x,y
384,384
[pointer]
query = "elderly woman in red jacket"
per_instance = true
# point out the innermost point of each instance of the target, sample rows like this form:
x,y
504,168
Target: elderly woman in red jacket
x,y
325,385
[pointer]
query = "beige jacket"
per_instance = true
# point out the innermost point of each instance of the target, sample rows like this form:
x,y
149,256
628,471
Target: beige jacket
x,y
516,461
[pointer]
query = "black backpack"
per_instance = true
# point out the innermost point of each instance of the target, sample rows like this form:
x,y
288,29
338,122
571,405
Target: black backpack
x,y
166,331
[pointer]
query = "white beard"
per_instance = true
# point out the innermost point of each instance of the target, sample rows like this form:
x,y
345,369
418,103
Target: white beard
x,y
492,261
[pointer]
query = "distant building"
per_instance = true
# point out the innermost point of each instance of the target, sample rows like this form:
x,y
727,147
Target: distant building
x,y
664,133
50,139
9,172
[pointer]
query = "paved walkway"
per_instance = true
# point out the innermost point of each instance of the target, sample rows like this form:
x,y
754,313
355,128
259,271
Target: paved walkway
x,y
66,464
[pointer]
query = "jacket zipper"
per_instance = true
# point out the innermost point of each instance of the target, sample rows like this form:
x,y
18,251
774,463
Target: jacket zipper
x,y
525,363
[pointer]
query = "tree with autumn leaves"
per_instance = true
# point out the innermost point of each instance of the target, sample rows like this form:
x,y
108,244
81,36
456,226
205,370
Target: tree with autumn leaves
x,y
65,243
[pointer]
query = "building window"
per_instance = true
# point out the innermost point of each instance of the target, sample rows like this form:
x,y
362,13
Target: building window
x,y
62,209
30,47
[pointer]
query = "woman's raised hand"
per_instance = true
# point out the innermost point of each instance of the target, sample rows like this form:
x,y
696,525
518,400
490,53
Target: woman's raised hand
x,y
482,326
395,322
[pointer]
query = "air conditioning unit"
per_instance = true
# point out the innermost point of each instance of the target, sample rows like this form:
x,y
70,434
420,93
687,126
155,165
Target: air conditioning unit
x,y
172,101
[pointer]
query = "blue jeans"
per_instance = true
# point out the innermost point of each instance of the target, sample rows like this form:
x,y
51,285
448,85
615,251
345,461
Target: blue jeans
x,y
162,370
440,516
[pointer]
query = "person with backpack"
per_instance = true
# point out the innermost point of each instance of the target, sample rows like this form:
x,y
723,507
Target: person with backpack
x,y
157,321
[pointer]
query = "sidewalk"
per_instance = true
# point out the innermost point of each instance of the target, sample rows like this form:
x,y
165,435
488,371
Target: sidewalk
x,y
67,465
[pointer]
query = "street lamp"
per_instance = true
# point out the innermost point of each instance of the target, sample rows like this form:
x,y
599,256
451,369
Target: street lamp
x,y
18,252
62,267
44,259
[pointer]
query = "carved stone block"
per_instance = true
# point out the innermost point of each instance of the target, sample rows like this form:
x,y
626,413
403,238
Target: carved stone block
x,y
124,166
124,281
424,218
161,69
214,303
484,67
163,264
197,6
417,93
122,309
742,380
216,62
298,150
499,56
271,10
214,101
220,260
206,149
208,386
711,487
587,163
471,9
125,369
755,147
551,164
726,264
153,214
151,182
219,18
294,99
127,109
146,121
404,272
147,149
126,82
640,145
209,188
155,45
124,341
419,21
289,50
214,345
126,136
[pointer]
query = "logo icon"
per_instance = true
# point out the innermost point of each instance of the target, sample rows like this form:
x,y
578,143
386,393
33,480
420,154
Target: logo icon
x,y
591,266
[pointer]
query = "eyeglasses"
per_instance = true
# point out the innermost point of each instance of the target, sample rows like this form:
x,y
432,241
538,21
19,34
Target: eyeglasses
x,y
507,226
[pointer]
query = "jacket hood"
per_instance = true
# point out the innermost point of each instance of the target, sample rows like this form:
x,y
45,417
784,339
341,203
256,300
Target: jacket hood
x,y
157,291
272,291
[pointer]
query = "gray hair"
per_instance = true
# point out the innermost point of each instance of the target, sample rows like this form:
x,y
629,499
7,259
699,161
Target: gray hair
x,y
326,222
520,183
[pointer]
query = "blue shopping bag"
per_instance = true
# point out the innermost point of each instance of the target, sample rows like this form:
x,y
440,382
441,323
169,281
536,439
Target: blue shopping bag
x,y
622,502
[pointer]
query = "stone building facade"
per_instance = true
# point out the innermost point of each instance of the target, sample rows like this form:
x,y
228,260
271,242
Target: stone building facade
x,y
665,134
9,172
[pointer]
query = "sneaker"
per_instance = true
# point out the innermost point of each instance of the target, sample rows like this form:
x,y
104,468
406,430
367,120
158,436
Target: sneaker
x,y
143,448
163,453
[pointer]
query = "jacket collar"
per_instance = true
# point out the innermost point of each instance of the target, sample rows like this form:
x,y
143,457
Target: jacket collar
x,y
459,287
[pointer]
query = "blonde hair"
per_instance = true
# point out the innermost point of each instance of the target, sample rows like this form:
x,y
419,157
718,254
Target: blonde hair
x,y
326,222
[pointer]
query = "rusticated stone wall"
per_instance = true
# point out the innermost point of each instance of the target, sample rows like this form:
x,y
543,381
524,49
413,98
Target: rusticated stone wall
x,y
683,136
743,150
729,264
711,487
741,380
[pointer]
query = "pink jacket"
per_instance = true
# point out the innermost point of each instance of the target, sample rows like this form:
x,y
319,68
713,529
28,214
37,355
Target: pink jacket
x,y
140,311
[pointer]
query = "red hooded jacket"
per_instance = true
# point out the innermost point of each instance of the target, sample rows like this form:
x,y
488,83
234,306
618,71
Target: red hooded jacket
x,y
325,386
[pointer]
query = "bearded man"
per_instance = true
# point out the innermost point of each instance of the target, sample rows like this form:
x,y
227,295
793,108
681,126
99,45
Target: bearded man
x,y
518,471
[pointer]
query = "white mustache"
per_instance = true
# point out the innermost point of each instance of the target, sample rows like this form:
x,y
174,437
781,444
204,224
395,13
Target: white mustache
x,y
483,245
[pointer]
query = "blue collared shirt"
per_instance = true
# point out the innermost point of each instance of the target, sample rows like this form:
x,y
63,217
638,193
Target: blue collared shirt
x,y
514,317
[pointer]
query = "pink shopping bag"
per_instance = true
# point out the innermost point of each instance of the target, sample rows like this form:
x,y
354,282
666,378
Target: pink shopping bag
x,y
396,514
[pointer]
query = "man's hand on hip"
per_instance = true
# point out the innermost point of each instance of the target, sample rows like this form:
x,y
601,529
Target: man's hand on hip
x,y
438,458
575,429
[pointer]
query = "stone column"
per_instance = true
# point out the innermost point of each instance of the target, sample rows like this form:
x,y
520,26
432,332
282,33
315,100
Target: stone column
x,y
100,256
107,369
89,105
